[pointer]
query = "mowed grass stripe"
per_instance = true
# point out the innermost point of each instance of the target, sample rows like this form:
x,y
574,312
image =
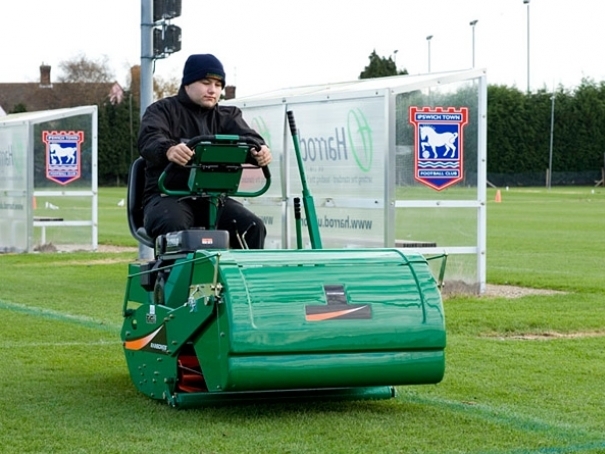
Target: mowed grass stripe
x,y
502,416
596,447
59,316
26,344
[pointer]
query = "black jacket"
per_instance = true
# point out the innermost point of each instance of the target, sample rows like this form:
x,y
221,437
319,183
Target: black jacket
x,y
177,119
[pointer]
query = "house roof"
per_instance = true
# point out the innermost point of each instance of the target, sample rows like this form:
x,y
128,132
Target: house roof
x,y
45,95
34,96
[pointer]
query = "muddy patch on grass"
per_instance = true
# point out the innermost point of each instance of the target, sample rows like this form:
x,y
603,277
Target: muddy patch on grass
x,y
511,291
458,288
547,335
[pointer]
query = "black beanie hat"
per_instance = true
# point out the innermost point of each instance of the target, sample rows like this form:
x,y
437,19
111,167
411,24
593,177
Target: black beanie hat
x,y
201,66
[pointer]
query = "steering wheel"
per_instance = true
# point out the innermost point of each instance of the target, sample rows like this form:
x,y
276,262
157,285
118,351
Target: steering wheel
x,y
251,142
221,162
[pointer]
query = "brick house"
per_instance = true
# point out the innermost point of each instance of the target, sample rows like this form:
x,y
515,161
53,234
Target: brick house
x,y
45,95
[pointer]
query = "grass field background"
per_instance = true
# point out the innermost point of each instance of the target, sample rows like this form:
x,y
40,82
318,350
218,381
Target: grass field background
x,y
523,375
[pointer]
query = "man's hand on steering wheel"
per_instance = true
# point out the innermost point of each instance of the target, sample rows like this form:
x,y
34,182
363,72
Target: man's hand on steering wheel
x,y
263,156
180,154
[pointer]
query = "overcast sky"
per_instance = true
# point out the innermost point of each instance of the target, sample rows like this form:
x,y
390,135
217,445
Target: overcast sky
x,y
270,44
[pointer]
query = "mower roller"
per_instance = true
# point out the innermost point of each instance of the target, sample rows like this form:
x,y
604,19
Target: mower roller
x,y
205,324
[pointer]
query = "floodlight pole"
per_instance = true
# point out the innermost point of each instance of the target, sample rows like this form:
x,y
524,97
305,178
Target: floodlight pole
x,y
428,40
526,2
552,130
472,24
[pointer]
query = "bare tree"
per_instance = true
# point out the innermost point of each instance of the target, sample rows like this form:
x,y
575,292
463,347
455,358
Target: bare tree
x,y
165,87
82,69
161,87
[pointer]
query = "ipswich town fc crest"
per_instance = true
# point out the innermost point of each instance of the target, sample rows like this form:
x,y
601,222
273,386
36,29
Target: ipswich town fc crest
x,y
63,155
438,145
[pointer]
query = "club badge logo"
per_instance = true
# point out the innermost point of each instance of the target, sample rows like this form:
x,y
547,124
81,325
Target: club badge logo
x,y
63,156
438,145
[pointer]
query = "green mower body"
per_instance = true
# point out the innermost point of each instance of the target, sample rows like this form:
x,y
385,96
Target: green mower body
x,y
206,324
247,321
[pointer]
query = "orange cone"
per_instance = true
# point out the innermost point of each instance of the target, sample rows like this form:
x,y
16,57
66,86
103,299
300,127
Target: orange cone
x,y
498,196
35,205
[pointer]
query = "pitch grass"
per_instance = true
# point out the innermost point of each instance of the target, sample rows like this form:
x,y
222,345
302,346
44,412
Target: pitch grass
x,y
522,376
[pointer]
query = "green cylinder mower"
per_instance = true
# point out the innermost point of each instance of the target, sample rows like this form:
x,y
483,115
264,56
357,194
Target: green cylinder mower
x,y
206,324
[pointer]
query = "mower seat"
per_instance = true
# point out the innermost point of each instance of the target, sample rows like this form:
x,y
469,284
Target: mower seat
x,y
136,185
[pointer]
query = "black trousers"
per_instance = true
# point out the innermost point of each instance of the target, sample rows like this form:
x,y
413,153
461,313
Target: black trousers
x,y
164,214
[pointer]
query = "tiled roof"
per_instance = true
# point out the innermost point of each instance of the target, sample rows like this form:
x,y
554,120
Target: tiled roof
x,y
35,97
